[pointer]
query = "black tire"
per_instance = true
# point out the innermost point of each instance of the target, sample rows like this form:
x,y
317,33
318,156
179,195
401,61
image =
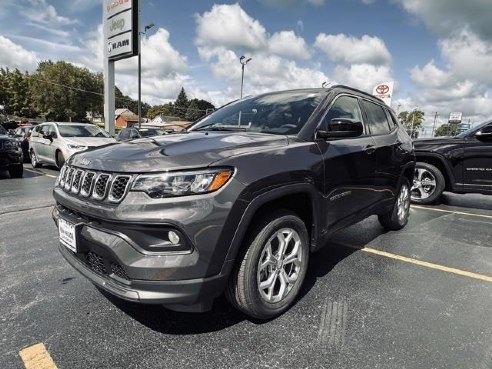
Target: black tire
x,y
34,160
243,289
427,194
17,171
60,159
397,218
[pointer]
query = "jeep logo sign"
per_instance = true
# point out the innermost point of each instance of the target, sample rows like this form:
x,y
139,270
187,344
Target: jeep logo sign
x,y
121,28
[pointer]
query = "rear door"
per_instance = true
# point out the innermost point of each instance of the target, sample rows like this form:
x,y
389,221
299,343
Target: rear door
x,y
477,161
349,166
387,148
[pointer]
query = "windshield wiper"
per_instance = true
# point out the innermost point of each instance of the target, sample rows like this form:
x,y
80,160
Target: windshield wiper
x,y
221,128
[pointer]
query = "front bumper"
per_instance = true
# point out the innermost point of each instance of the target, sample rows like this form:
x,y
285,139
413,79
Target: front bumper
x,y
10,158
111,261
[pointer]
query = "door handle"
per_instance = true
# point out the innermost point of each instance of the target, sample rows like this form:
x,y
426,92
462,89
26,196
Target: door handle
x,y
370,149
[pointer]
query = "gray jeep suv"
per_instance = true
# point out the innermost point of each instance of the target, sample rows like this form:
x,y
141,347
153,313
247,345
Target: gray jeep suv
x,y
235,204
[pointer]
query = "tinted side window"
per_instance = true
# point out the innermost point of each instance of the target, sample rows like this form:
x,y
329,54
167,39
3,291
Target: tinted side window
x,y
124,134
391,119
377,121
345,107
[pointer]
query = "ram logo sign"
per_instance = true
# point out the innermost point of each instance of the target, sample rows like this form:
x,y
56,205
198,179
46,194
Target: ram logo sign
x,y
121,28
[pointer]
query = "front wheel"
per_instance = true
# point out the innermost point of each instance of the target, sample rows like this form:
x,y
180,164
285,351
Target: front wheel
x,y
271,269
428,184
34,160
397,218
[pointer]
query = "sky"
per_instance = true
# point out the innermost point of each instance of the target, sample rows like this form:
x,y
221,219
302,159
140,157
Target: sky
x,y
438,52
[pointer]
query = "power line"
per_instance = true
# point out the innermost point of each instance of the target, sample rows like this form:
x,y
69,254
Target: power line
x,y
66,86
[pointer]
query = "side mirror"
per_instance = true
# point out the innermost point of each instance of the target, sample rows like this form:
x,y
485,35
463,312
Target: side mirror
x,y
485,134
341,128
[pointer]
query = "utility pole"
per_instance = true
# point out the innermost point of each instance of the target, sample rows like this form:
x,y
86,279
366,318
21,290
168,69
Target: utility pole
x,y
434,126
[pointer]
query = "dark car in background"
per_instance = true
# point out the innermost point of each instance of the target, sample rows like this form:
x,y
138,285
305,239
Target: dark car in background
x,y
237,203
460,164
11,157
132,133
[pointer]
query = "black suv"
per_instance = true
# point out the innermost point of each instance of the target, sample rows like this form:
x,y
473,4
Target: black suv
x,y
11,157
237,202
461,164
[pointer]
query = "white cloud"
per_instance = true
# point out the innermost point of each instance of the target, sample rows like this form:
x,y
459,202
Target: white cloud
x,y
362,76
15,56
286,43
229,26
343,49
40,11
445,17
283,4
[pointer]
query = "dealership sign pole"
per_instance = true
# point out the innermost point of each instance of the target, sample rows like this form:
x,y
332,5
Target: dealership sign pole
x,y
120,25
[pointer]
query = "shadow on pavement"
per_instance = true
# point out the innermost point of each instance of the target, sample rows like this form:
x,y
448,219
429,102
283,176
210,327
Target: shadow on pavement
x,y
473,201
222,315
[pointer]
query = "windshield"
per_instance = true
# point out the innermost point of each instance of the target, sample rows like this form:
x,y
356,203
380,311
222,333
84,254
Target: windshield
x,y
81,131
283,113
474,129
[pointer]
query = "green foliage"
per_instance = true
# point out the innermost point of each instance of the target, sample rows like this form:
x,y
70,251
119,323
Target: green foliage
x,y
446,129
412,120
14,93
197,109
156,110
56,101
181,104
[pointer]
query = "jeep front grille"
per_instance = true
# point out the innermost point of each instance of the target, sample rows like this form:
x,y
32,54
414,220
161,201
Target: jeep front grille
x,y
98,186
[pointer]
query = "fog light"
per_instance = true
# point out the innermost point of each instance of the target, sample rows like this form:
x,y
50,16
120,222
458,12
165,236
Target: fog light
x,y
173,237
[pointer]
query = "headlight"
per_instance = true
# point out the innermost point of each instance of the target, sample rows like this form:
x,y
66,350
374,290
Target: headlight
x,y
77,147
182,183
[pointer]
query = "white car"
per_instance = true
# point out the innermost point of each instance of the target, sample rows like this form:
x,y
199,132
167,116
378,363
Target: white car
x,y
54,142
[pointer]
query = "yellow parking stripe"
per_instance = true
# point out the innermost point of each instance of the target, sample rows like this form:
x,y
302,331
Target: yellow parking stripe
x,y
37,357
37,172
427,264
452,211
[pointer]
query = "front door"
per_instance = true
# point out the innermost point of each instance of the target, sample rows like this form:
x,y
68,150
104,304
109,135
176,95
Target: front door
x,y
477,161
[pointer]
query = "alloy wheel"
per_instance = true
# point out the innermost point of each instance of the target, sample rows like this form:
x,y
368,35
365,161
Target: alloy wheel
x,y
280,265
424,184
403,203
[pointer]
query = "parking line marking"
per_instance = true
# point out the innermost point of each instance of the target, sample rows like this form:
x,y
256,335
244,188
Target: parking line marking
x,y
453,212
443,268
43,174
37,357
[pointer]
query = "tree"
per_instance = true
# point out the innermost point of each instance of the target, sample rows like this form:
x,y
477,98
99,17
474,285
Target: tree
x,y
447,129
14,93
197,109
156,110
412,120
63,91
124,101
181,104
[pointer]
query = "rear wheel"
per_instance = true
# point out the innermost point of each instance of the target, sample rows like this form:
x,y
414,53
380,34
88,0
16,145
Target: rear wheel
x,y
17,171
397,218
34,160
270,271
428,184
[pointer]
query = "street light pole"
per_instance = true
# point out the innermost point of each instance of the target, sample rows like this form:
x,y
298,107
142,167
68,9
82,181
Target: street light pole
x,y
434,125
139,105
243,63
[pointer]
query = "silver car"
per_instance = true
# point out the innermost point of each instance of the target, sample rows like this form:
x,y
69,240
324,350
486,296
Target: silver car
x,y
54,142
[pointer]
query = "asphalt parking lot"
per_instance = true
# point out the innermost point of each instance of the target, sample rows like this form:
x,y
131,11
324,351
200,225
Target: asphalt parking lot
x,y
418,298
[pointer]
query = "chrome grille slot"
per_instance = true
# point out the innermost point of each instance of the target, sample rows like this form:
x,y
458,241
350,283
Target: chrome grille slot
x,y
101,186
68,180
62,175
87,184
76,180
118,188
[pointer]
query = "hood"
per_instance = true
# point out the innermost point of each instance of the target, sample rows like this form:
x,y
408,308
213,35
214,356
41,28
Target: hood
x,y
437,143
89,141
175,151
